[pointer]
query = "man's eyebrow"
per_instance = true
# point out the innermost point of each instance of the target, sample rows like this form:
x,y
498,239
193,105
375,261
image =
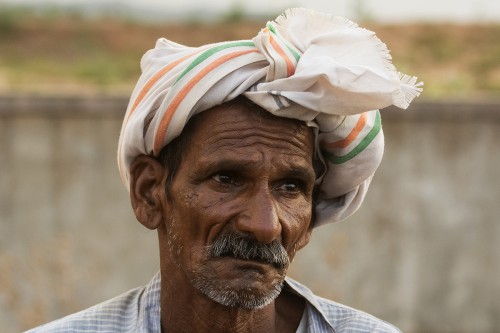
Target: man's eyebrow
x,y
291,170
301,172
228,164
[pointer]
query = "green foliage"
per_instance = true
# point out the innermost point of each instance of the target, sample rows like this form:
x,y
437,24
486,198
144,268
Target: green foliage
x,y
434,45
361,11
51,48
9,19
486,70
235,15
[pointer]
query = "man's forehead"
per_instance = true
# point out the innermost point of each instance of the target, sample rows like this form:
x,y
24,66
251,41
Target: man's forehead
x,y
241,118
243,110
244,137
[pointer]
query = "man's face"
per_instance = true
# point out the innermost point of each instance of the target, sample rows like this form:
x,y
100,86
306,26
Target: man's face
x,y
240,204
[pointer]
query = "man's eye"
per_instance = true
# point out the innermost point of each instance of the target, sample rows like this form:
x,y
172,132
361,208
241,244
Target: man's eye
x,y
291,186
225,178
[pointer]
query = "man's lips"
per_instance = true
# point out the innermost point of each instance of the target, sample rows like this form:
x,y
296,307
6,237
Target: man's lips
x,y
254,262
261,267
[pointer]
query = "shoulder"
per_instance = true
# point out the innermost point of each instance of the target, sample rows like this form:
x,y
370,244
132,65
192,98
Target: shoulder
x,y
347,319
119,314
323,312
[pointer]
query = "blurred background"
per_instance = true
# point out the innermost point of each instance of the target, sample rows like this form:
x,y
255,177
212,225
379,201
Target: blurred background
x,y
422,253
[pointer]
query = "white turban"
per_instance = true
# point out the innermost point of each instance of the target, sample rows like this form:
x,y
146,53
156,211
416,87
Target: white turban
x,y
306,65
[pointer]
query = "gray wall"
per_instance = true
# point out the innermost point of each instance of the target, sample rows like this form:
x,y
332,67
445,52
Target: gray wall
x,y
423,252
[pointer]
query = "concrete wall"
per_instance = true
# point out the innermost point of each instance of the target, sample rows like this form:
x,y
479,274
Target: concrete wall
x,y
423,252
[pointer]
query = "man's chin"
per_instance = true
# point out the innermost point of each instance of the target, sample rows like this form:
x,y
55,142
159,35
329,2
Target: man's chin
x,y
239,294
240,283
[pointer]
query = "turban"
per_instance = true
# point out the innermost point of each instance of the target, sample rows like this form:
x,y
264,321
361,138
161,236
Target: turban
x,y
306,65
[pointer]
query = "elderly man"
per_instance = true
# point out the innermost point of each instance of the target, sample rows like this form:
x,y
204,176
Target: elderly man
x,y
234,152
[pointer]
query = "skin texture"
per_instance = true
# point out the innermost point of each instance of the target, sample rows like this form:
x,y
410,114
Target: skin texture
x,y
243,173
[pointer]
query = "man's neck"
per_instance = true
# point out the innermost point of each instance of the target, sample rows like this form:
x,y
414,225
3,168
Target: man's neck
x,y
192,311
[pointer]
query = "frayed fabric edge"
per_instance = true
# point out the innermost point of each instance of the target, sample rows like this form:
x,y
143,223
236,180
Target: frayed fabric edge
x,y
409,88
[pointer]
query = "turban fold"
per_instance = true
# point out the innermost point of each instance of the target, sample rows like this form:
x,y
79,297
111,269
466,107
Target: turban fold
x,y
306,65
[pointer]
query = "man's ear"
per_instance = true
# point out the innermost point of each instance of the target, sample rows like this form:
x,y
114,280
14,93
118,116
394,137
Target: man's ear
x,y
146,190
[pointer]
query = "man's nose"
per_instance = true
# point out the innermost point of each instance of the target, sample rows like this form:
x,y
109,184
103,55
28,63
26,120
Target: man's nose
x,y
260,217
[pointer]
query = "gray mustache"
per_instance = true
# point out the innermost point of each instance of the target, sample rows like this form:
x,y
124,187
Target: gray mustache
x,y
243,247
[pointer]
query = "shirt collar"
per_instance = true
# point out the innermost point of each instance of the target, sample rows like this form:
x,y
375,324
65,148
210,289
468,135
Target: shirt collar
x,y
150,322
313,307
149,313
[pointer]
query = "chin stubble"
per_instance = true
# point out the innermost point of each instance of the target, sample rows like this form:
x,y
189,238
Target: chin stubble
x,y
243,247
237,246
237,298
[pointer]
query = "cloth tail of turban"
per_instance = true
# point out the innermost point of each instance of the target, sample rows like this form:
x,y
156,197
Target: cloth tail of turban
x,y
306,65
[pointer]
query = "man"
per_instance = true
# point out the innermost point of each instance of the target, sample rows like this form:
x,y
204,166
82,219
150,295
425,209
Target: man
x,y
234,152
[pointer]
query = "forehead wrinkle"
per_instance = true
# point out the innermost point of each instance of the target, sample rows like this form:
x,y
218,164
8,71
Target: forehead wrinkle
x,y
231,162
249,137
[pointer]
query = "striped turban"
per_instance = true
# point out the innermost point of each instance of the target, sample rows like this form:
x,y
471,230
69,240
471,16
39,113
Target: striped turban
x,y
306,65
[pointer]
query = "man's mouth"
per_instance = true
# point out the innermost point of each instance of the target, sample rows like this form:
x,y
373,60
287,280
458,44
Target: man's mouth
x,y
245,248
251,259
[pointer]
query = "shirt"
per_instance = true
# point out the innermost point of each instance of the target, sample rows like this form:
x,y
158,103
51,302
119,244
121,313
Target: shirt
x,y
138,311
